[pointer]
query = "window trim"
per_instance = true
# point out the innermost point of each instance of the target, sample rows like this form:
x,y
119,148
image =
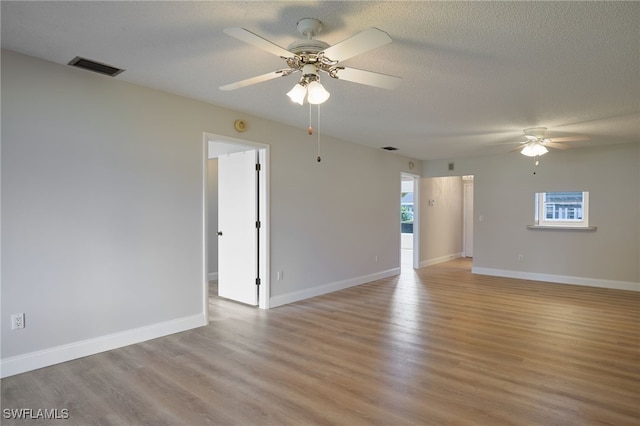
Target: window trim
x,y
541,223
565,228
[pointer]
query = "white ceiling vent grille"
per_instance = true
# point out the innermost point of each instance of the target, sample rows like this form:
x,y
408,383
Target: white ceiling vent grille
x,y
89,65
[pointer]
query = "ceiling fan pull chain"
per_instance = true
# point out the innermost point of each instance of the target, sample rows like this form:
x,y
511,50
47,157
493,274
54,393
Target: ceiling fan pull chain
x,y
319,159
310,129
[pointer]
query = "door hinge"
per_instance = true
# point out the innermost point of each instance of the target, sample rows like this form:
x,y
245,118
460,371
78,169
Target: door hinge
x,y
258,224
258,167
257,281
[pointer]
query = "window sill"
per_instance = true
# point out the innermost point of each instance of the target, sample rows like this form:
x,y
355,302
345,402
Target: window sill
x,y
563,228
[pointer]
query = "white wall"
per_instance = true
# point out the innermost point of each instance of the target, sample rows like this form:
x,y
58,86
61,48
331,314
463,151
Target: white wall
x,y
504,188
441,223
102,211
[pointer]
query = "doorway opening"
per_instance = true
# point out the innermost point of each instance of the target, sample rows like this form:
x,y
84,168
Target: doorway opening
x,y
409,222
447,227
236,241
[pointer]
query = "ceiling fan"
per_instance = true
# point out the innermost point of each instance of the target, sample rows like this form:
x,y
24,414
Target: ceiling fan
x,y
311,56
536,142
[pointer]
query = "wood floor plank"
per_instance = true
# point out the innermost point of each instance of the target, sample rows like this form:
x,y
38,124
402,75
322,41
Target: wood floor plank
x,y
436,346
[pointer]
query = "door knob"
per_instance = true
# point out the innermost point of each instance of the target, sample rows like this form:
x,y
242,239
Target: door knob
x,y
220,233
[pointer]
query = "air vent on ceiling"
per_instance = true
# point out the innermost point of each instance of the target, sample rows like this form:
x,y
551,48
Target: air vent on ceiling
x,y
390,148
89,65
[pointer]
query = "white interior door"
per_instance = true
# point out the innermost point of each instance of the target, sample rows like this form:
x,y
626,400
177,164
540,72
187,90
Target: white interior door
x,y
237,233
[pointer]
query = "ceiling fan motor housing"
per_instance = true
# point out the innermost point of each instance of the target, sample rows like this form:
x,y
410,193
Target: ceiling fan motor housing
x,y
309,46
307,50
535,133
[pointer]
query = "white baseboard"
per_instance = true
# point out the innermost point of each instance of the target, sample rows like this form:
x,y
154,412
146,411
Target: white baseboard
x,y
46,357
441,259
212,276
558,279
296,296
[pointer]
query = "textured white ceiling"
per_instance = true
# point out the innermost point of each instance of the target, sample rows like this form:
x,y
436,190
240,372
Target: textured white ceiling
x,y
474,73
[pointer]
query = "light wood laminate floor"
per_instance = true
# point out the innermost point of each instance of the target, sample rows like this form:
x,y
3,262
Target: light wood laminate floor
x,y
438,346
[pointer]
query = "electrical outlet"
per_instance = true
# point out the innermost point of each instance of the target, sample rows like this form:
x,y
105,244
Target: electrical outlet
x,y
17,321
279,275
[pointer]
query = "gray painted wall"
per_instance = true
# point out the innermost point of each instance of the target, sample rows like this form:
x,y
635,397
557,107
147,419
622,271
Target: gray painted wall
x,y
441,223
504,188
102,207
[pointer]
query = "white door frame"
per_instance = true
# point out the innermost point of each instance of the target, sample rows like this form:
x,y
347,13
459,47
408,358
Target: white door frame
x,y
416,217
467,233
264,244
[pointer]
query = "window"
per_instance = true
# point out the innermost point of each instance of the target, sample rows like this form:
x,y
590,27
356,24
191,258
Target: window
x,y
564,209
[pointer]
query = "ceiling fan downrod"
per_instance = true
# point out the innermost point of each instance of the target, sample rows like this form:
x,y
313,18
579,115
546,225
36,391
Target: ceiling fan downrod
x,y
309,27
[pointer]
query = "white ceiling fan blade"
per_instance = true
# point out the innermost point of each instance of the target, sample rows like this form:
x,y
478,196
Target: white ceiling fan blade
x,y
255,80
366,40
557,145
511,143
519,148
369,78
570,139
257,41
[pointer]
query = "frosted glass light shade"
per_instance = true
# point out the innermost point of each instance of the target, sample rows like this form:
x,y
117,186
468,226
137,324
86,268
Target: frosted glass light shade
x,y
298,93
534,149
317,94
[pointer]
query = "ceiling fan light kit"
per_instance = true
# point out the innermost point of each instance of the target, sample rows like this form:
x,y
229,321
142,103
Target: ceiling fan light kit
x,y
316,93
309,86
298,93
534,149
